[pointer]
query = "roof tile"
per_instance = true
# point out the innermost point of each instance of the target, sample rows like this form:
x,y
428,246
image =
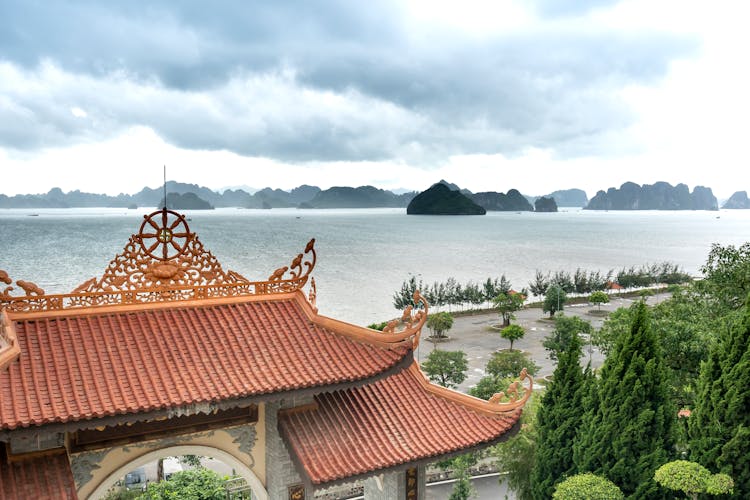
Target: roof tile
x,y
391,422
94,365
41,478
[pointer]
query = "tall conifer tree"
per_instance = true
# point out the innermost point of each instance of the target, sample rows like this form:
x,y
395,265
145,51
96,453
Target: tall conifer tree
x,y
559,418
628,431
720,424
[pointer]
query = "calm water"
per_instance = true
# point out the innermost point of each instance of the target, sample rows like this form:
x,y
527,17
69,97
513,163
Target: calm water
x,y
364,255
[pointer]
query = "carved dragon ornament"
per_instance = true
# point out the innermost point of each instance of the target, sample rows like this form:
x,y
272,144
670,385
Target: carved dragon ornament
x,y
411,321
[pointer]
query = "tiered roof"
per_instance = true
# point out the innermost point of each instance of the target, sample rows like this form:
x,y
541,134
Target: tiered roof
x,y
167,328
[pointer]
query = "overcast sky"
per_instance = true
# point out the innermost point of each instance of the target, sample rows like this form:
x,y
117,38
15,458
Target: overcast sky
x,y
490,95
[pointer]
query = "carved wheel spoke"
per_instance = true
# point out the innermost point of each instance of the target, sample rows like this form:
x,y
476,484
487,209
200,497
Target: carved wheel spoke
x,y
172,242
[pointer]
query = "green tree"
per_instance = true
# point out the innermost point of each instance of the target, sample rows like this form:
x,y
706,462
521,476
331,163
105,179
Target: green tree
x,y
508,364
560,416
488,386
566,327
720,424
692,479
512,333
517,454
628,428
439,323
462,489
447,368
405,296
599,298
540,283
727,274
198,484
508,303
685,326
587,486
554,300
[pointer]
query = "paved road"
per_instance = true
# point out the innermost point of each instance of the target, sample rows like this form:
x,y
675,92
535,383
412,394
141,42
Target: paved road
x,y
473,335
487,488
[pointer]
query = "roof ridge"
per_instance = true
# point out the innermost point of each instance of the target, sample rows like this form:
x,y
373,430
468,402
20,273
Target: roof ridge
x,y
493,407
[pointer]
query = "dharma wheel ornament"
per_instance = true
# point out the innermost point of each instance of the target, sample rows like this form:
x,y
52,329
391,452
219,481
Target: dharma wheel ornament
x,y
170,237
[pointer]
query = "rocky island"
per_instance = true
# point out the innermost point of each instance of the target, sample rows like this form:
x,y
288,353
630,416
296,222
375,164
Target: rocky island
x,y
442,200
657,196
544,204
738,200
513,201
185,201
569,197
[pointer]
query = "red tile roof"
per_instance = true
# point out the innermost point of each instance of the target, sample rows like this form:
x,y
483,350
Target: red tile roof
x,y
81,366
40,478
397,420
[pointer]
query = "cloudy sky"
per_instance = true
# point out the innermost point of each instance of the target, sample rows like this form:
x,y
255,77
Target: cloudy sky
x,y
536,95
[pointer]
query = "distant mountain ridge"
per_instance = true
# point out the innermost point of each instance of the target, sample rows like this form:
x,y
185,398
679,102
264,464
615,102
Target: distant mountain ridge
x,y
630,196
657,196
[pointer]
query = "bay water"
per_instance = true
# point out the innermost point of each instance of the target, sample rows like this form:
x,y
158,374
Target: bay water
x,y
365,254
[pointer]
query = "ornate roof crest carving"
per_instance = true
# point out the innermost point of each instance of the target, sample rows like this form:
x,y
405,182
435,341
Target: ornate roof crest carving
x,y
411,320
165,261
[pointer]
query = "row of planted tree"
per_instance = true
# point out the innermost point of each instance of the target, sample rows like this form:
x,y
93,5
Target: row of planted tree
x,y
668,410
453,294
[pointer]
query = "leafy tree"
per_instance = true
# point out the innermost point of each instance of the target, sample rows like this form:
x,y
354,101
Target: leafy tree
x,y
508,303
554,300
685,327
447,368
587,486
580,281
628,428
512,332
566,327
439,323
720,425
727,274
560,415
405,296
191,460
123,494
517,454
462,489
614,328
510,363
692,479
540,283
198,484
488,386
599,298
378,326
564,281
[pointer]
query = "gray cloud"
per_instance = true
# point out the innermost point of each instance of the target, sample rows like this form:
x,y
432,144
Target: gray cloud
x,y
311,81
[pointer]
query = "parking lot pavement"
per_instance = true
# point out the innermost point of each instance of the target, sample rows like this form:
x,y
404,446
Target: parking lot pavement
x,y
473,335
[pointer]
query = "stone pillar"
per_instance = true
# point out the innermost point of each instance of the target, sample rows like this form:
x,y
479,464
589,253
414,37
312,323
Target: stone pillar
x,y
281,474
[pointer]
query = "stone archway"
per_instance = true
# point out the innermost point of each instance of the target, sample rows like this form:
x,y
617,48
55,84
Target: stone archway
x,y
242,469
